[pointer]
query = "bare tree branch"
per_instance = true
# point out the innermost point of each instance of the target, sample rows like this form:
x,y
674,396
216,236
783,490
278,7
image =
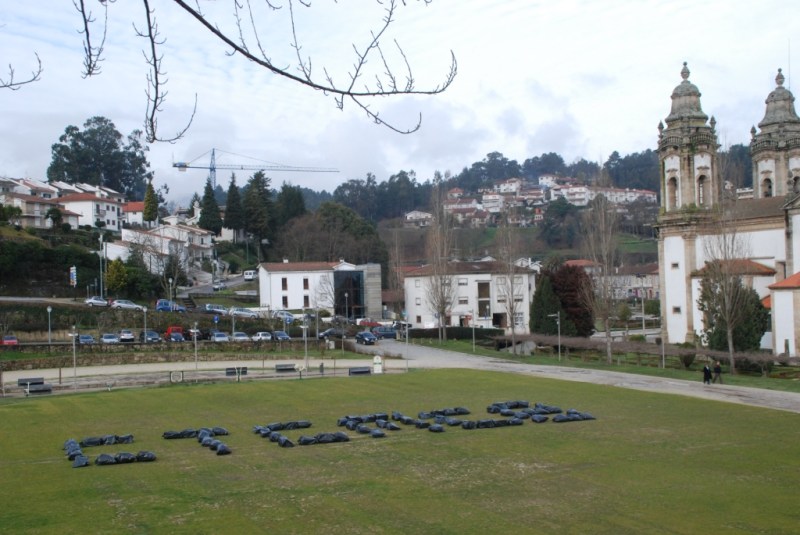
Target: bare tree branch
x,y
14,85
385,84
155,93
92,55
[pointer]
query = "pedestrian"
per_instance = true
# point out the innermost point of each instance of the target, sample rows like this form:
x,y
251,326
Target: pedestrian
x,y
717,372
707,374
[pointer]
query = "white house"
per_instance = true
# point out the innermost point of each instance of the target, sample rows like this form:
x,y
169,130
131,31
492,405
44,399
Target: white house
x,y
417,218
480,295
339,287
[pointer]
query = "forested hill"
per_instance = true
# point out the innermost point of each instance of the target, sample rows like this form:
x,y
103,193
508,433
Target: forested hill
x,y
378,200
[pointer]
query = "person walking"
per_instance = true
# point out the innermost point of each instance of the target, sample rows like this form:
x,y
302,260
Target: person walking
x,y
707,374
717,372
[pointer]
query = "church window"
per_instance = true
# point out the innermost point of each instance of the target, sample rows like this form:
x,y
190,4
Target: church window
x,y
766,188
672,193
676,310
675,265
796,184
701,191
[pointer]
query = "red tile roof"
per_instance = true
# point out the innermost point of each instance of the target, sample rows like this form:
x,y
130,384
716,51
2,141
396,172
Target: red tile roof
x,y
789,283
741,267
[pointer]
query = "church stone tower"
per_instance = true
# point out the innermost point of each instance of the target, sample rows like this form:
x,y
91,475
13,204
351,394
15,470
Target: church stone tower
x,y
690,188
775,150
687,150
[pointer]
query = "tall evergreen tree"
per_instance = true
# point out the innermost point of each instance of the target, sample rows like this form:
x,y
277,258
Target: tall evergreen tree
x,y
545,302
234,214
257,207
209,216
290,204
150,213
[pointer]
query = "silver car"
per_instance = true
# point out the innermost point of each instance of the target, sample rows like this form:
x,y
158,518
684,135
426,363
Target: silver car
x,y
96,301
243,313
125,304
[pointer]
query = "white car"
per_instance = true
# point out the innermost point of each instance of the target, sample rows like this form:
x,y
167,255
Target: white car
x,y
109,338
263,336
219,336
96,301
243,313
126,304
240,337
126,336
284,316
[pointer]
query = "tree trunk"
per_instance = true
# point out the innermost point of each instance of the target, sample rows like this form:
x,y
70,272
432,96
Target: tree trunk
x,y
607,325
730,350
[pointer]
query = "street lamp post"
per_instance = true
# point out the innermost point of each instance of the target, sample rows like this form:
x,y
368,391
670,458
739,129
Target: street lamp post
x,y
346,315
144,334
472,317
74,360
170,288
305,336
194,334
641,279
49,328
557,316
101,263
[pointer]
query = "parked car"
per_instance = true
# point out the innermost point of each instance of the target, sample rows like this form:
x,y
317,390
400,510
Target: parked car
x,y
126,336
125,304
240,312
109,338
96,301
210,308
173,329
149,337
165,305
10,340
250,275
85,339
219,336
384,332
175,337
219,286
333,332
262,336
239,336
284,316
281,336
366,338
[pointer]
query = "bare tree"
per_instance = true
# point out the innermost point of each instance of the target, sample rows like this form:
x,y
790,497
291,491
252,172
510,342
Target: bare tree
x,y
510,285
247,37
725,250
600,226
440,288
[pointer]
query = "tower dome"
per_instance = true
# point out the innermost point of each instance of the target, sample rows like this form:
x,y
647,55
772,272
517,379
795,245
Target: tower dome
x,y
780,106
686,101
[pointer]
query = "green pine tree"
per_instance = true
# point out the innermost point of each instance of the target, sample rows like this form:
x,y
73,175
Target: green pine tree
x,y
209,215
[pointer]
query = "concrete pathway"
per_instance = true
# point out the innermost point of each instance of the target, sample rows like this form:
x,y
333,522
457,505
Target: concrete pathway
x,y
399,357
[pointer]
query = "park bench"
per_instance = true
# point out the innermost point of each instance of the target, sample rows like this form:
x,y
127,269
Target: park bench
x,y
34,385
233,372
359,370
285,368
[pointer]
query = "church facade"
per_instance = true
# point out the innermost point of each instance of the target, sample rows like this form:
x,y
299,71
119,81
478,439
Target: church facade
x,y
699,210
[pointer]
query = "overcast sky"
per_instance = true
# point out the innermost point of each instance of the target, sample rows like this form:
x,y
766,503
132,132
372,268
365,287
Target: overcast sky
x,y
580,78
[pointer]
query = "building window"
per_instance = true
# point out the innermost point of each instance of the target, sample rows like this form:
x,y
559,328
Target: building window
x,y
462,281
305,283
416,283
676,310
519,319
306,302
418,301
463,300
766,188
419,319
484,299
672,193
284,284
674,265
285,301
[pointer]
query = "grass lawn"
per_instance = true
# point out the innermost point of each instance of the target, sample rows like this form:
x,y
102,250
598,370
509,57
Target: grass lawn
x,y
650,463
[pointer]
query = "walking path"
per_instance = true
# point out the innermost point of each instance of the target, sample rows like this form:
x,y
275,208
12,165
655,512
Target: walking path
x,y
413,356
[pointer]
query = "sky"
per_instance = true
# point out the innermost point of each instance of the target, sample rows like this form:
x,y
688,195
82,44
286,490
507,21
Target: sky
x,y
579,78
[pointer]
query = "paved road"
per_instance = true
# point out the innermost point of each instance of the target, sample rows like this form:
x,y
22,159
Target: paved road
x,y
399,357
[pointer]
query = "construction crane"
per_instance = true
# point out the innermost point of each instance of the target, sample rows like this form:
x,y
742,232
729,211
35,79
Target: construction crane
x,y
265,166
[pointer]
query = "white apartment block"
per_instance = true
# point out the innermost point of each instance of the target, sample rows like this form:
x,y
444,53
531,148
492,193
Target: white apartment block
x,y
481,293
